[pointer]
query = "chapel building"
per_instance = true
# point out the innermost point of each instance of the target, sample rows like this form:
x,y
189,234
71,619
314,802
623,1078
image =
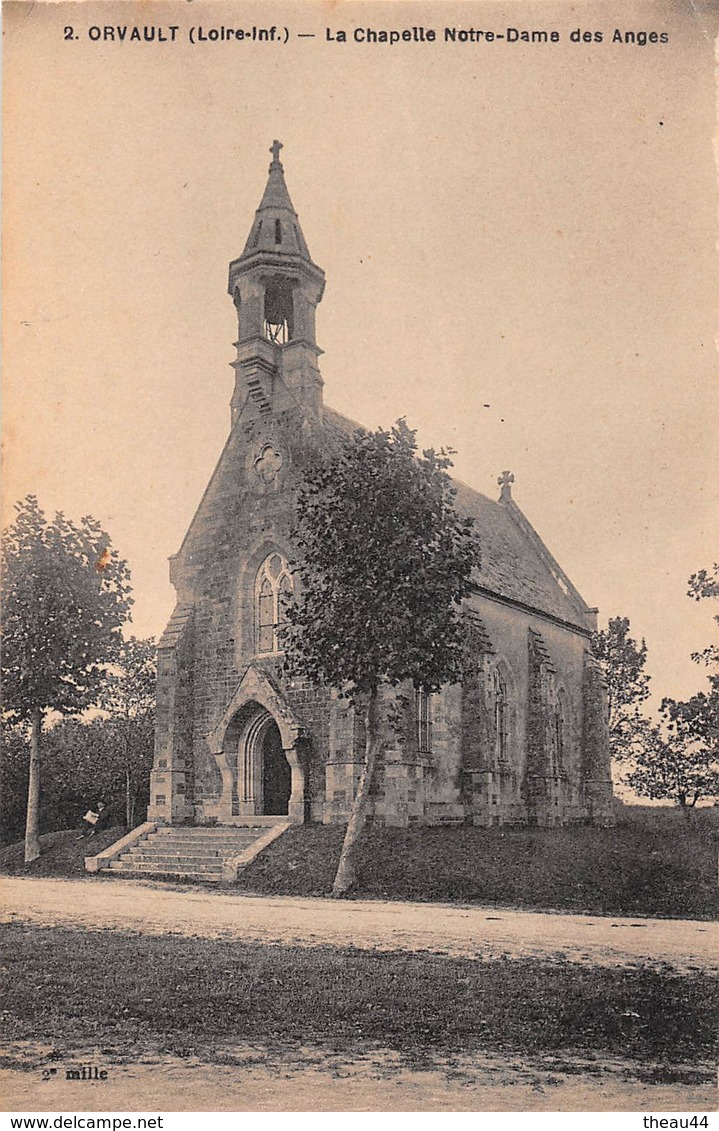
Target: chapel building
x,y
523,739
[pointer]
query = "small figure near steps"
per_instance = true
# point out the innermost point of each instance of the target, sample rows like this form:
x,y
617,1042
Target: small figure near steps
x,y
95,820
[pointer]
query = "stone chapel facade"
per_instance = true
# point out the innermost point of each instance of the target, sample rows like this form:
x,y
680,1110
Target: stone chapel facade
x,y
522,740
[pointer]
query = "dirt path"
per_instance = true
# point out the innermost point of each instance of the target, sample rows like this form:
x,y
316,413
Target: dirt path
x,y
374,1081
475,932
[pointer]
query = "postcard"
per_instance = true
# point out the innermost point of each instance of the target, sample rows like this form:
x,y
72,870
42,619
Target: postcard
x,y
234,234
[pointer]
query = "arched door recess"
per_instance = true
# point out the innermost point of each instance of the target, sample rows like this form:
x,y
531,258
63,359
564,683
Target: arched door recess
x,y
256,742
264,773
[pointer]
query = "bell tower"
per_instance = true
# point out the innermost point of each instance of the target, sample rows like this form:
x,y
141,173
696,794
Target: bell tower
x,y
276,287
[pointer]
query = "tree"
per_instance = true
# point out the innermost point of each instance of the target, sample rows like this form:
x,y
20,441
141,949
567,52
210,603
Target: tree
x,y
627,686
128,696
682,760
700,714
705,583
65,598
384,563
674,764
84,762
13,781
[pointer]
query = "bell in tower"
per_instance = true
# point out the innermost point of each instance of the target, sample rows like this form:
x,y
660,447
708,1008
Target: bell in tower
x,y
276,287
279,310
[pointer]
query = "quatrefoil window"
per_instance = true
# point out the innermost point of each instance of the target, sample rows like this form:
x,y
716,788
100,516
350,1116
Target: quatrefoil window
x,y
267,464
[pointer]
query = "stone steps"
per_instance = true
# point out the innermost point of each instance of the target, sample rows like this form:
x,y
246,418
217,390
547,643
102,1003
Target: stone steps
x,y
117,868
181,868
167,845
211,834
206,842
147,856
188,853
245,834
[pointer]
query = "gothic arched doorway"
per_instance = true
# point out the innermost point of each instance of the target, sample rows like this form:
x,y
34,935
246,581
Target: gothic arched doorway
x,y
261,751
266,776
276,773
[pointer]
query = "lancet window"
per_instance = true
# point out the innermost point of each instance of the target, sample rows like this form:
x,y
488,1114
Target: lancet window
x,y
501,716
560,731
273,592
423,703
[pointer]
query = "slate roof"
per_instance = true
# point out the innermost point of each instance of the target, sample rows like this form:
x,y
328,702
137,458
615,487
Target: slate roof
x,y
515,563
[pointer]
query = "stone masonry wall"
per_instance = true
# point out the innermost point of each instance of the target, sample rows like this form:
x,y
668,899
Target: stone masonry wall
x,y
245,516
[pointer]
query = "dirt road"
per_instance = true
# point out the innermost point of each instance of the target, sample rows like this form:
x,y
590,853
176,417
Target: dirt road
x,y
475,932
365,1081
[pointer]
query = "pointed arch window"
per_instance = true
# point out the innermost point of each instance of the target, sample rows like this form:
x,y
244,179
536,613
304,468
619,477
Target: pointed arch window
x,y
560,731
501,716
423,705
273,592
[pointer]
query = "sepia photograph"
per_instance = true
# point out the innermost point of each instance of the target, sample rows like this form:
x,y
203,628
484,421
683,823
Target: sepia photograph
x,y
360,560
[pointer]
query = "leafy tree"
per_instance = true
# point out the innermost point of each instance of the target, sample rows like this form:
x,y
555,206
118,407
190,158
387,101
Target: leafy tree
x,y
682,760
13,781
705,583
627,686
128,696
700,714
673,764
65,597
384,564
84,762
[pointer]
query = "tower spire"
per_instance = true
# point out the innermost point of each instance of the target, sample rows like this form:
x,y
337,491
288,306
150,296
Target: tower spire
x,y
276,288
276,226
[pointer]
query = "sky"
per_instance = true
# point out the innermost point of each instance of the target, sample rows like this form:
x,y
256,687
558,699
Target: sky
x,y
518,239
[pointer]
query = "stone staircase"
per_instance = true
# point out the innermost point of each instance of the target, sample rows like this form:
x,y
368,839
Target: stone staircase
x,y
210,854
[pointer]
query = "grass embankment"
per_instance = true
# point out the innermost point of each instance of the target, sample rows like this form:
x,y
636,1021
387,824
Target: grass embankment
x,y
63,854
653,863
124,993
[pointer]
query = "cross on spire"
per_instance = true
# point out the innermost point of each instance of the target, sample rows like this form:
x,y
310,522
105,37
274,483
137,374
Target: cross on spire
x,y
275,151
505,481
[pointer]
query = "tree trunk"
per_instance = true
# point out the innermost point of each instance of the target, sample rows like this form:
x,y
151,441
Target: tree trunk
x,y
128,792
690,809
686,808
128,800
32,823
346,868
